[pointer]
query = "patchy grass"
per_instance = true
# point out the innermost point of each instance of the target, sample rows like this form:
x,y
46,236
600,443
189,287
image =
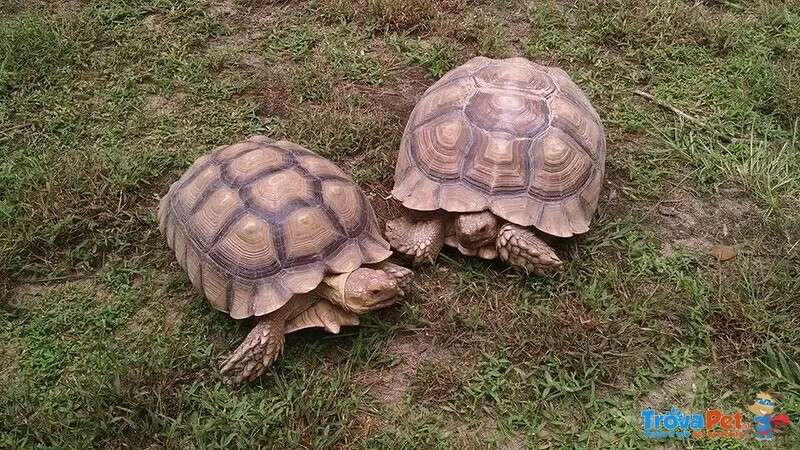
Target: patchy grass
x,y
105,345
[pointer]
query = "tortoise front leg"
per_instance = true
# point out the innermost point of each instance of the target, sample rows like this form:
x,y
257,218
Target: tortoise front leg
x,y
421,239
522,249
258,351
400,274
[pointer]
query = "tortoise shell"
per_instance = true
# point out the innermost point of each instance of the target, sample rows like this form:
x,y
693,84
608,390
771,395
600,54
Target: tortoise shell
x,y
259,221
509,136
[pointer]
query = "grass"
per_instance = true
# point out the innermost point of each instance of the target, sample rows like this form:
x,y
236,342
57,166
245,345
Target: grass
x,y
103,104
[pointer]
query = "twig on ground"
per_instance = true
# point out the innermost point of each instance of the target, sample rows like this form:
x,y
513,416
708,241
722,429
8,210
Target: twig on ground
x,y
689,117
53,279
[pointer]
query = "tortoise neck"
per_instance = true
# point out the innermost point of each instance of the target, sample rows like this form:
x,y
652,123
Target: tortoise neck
x,y
332,289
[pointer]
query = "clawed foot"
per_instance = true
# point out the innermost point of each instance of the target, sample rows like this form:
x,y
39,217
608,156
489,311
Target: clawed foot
x,y
401,274
521,248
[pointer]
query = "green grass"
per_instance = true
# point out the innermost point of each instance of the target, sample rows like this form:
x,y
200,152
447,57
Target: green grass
x,y
103,104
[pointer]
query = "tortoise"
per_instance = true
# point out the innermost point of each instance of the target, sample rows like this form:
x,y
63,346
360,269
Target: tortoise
x,y
271,230
497,158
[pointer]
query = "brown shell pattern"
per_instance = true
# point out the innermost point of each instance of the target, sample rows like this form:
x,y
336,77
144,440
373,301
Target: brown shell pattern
x,y
256,222
509,136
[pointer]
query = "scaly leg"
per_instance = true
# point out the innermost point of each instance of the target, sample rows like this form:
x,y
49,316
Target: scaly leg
x,y
258,351
422,239
521,248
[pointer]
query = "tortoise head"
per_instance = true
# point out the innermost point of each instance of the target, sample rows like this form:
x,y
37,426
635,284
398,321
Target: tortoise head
x,y
475,230
369,289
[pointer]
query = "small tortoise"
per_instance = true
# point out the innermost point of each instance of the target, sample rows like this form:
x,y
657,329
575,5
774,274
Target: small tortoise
x,y
492,151
272,230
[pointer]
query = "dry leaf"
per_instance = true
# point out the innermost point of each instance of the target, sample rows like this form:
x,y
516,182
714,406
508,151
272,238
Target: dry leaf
x,y
722,252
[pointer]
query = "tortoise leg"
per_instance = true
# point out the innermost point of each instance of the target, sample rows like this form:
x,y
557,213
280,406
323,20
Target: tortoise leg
x,y
521,248
401,274
422,239
258,351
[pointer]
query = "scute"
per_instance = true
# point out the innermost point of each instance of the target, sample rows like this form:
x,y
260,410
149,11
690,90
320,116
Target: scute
x,y
535,156
247,166
321,167
572,120
448,98
259,221
515,114
248,245
345,199
207,220
269,192
560,167
522,77
306,231
197,188
230,152
437,146
498,163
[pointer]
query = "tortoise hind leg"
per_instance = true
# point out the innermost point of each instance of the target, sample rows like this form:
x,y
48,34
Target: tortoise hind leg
x,y
259,350
521,248
422,239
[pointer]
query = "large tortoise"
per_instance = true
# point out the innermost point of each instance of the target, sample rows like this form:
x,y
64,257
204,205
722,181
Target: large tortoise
x,y
270,229
493,151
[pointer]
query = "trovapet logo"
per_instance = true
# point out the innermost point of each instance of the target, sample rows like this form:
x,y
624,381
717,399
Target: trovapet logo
x,y
675,424
714,423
